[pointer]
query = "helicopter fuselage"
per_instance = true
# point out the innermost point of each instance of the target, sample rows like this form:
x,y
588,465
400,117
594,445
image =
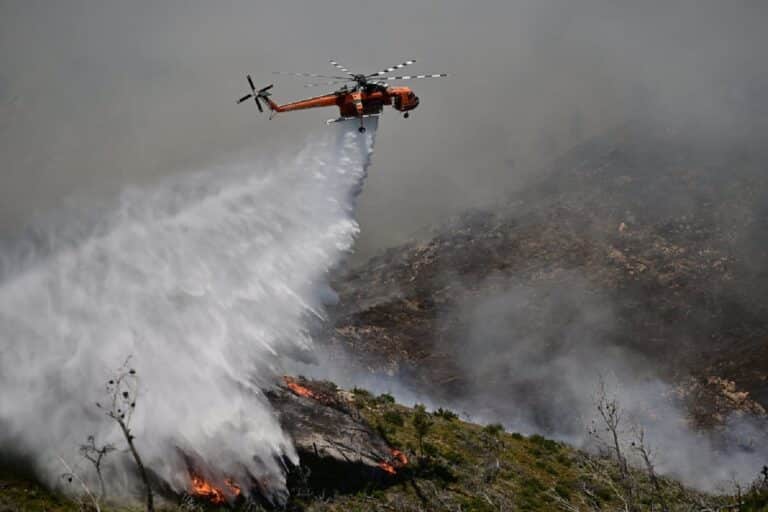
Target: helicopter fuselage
x,y
369,100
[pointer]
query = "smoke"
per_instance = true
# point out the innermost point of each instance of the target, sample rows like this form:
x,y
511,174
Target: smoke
x,y
208,282
533,354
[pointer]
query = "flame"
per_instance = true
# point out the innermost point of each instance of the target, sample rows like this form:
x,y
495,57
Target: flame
x,y
389,468
399,459
207,491
202,489
300,390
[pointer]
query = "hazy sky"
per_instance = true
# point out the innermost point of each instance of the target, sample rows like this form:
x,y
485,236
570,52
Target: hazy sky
x,y
95,95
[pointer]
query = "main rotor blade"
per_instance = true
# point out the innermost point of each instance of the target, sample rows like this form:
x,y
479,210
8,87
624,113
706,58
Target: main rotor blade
x,y
244,98
411,77
332,82
312,75
339,66
265,89
258,104
389,70
250,82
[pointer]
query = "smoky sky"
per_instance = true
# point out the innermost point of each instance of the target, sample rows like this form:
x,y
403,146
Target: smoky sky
x,y
98,95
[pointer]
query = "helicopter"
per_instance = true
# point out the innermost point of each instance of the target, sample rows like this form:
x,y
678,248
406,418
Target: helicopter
x,y
359,95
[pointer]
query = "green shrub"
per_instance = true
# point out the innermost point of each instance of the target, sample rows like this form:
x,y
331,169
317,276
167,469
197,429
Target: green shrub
x,y
430,450
546,467
422,424
603,493
477,504
446,414
531,486
362,393
383,430
494,429
563,491
394,418
545,443
386,398
454,457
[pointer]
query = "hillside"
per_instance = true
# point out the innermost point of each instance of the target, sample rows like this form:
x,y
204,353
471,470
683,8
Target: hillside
x,y
456,466
640,252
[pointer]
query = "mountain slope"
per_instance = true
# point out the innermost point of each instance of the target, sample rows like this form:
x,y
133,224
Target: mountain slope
x,y
648,242
453,465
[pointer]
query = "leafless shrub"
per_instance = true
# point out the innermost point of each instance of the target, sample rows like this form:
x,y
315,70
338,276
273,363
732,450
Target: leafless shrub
x,y
599,471
122,391
89,502
95,455
647,454
607,431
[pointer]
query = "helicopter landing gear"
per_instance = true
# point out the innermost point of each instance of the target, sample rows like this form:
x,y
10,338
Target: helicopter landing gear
x,y
406,115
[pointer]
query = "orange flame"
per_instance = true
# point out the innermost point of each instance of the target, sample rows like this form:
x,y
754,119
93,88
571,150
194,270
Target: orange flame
x,y
389,468
300,390
202,489
207,491
399,459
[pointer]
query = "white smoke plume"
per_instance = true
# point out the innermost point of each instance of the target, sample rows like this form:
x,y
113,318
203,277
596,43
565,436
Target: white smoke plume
x,y
533,355
208,281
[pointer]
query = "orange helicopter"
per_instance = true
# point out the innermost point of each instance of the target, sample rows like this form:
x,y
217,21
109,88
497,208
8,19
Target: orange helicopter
x,y
358,97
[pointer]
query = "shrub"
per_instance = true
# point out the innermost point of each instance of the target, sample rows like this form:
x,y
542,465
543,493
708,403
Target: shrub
x,y
563,491
494,429
422,424
531,486
455,457
430,450
386,398
362,393
545,443
446,414
394,418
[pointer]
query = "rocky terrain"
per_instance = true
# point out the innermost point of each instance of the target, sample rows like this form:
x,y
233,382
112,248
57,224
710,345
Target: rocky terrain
x,y
649,241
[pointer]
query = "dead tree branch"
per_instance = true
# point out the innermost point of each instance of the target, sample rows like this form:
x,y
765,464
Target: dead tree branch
x,y
647,455
123,392
72,475
95,454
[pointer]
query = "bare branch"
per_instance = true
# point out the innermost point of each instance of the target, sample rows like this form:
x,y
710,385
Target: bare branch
x,y
647,455
123,392
71,474
95,454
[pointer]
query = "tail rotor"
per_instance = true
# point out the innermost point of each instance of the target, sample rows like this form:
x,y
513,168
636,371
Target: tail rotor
x,y
256,94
